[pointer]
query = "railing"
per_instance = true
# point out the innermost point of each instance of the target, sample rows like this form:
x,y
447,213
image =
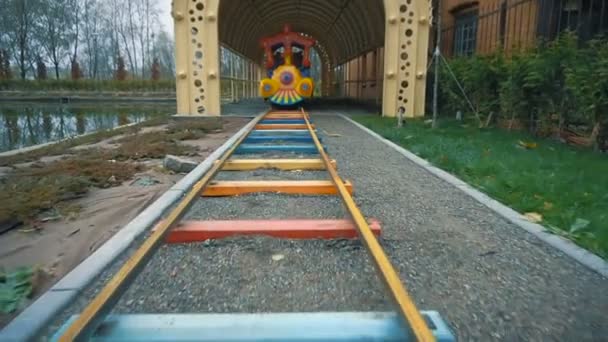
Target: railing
x,y
240,76
515,24
235,89
360,78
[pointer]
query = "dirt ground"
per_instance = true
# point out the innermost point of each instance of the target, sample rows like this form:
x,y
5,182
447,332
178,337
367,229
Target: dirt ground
x,y
58,244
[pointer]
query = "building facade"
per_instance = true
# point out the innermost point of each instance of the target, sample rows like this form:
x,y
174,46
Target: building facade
x,y
483,26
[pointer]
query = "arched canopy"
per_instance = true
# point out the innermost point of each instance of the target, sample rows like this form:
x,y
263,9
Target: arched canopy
x,y
345,28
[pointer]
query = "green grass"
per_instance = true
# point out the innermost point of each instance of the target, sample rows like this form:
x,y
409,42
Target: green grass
x,y
15,288
566,185
28,191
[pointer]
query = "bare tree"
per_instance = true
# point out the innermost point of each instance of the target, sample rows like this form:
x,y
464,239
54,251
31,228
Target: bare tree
x,y
164,50
75,33
92,19
40,69
18,17
147,17
54,30
94,32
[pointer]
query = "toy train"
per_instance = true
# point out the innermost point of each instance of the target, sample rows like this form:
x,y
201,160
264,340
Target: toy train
x,y
288,80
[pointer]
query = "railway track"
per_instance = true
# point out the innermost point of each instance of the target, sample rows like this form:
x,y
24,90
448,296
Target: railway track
x,y
274,131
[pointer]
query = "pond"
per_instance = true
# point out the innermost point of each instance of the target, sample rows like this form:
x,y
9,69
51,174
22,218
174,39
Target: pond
x,y
25,124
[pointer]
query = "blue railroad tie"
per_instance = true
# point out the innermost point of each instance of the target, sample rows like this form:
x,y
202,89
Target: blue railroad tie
x,y
283,122
279,132
256,148
269,327
277,138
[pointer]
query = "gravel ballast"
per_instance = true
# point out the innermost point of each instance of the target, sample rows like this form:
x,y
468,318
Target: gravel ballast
x,y
488,279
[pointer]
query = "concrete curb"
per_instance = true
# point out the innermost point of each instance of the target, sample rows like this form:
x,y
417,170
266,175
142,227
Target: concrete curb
x,y
31,322
579,254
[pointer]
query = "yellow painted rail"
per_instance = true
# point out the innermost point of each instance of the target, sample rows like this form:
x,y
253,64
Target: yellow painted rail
x,y
94,313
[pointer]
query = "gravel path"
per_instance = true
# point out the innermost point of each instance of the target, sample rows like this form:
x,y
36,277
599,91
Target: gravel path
x,y
489,279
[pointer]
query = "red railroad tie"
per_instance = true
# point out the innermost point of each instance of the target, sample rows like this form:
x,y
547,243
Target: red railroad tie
x,y
197,231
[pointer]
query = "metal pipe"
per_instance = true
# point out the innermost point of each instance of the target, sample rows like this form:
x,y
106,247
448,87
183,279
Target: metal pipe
x,y
437,61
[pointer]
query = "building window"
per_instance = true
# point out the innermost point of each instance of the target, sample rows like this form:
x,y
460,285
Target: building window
x,y
588,18
569,15
465,33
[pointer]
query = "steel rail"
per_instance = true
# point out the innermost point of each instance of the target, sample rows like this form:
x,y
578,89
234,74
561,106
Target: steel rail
x,y
405,305
90,318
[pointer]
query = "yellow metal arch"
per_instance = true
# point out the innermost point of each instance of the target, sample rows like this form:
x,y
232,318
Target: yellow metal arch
x,y
345,28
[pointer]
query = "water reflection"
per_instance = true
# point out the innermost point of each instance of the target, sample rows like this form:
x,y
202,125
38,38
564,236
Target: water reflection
x,y
26,124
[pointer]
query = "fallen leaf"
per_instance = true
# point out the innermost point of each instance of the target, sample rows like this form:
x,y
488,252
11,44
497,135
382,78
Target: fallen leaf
x,y
487,253
527,145
334,135
51,218
548,206
579,224
533,217
278,257
74,232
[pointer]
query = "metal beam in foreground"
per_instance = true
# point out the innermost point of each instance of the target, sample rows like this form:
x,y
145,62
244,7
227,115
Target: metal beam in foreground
x,y
305,187
405,305
281,164
96,311
276,327
198,231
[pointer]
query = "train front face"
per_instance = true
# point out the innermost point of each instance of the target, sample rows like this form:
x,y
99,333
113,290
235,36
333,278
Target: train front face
x,y
288,82
286,86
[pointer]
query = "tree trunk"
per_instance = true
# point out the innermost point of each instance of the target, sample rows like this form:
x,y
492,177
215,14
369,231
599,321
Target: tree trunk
x,y
22,61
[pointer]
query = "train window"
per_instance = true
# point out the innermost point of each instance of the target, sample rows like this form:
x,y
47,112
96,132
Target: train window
x,y
298,56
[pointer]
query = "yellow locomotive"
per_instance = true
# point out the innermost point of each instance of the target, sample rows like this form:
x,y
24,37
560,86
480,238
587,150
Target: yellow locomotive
x,y
288,80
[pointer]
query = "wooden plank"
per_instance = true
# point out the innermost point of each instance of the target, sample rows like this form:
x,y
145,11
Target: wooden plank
x,y
284,116
281,164
281,126
197,231
283,121
287,114
260,139
304,187
257,148
298,132
264,327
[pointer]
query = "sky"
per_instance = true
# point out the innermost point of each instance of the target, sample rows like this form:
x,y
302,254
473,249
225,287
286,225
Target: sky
x,y
165,16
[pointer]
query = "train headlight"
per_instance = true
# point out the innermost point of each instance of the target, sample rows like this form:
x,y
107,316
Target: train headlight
x,y
305,87
286,78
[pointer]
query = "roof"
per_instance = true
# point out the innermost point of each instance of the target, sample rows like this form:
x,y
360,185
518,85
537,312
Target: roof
x,y
342,28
